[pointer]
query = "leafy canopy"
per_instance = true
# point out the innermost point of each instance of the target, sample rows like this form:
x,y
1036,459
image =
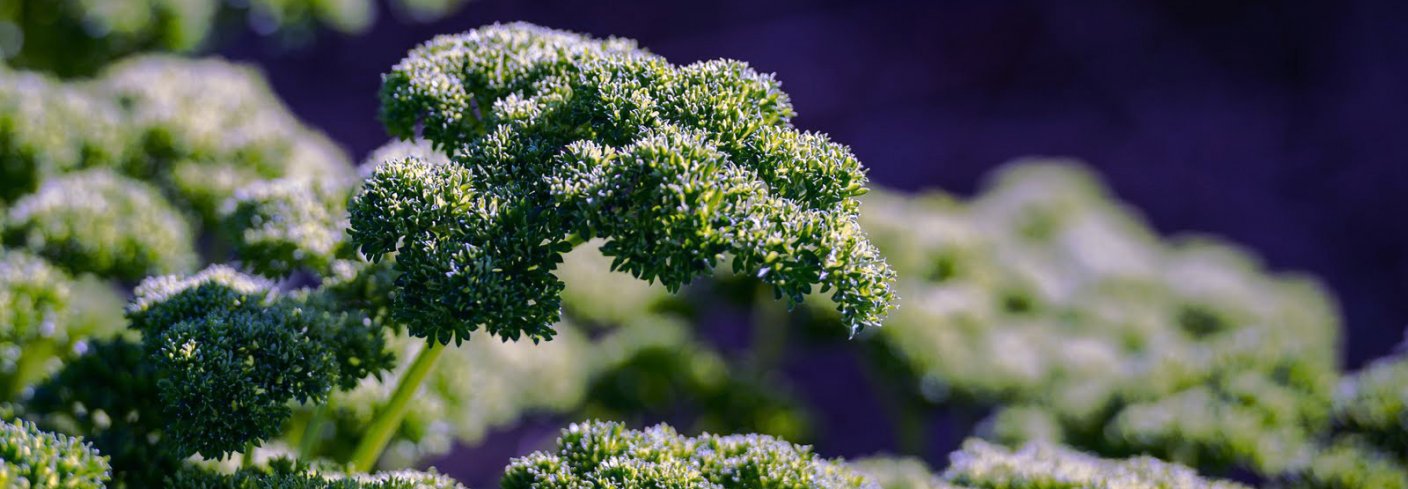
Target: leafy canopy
x,y
556,137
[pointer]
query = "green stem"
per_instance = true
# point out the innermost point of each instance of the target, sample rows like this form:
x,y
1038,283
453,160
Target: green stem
x,y
389,419
247,458
312,432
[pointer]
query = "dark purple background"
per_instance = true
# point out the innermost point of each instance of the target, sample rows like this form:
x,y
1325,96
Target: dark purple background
x,y
1277,124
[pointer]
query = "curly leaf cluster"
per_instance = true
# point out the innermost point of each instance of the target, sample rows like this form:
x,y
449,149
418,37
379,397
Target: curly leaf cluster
x,y
162,301
230,356
286,474
606,454
103,223
30,458
1046,298
555,134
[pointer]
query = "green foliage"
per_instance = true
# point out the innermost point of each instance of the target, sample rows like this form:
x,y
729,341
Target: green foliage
x,y
285,474
561,137
898,473
1042,299
1350,463
1373,404
76,37
30,458
983,465
1369,445
227,379
619,353
656,367
1036,465
100,222
163,301
1046,298
79,37
43,315
198,129
48,128
604,454
281,226
208,127
109,395
34,300
230,356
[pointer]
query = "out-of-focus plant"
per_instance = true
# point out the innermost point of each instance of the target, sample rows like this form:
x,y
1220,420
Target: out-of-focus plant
x,y
1037,465
48,128
610,455
207,127
1048,300
898,473
1348,462
1373,404
278,227
288,474
99,222
80,37
44,316
77,37
198,129
1368,446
